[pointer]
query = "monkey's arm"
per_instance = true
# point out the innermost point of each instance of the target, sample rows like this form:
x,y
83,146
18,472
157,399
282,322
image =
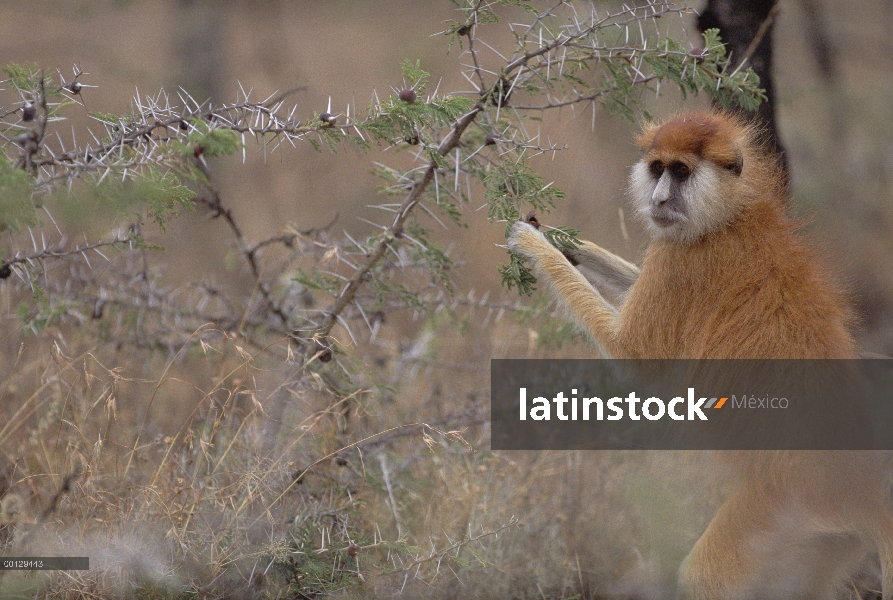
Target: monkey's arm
x,y
608,273
582,301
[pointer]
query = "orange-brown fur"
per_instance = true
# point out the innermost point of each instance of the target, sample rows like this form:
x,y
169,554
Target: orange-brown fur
x,y
753,290
744,286
699,134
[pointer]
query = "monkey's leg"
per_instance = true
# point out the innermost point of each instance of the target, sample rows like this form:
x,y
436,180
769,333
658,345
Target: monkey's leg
x,y
582,301
765,543
611,275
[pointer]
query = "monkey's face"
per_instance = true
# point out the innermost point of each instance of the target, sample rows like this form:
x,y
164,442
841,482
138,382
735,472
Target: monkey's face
x,y
688,182
682,197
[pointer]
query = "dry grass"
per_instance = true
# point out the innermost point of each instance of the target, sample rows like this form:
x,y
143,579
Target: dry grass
x,y
229,472
232,475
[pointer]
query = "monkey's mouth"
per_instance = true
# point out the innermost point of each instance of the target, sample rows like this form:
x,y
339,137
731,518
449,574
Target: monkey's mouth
x,y
666,218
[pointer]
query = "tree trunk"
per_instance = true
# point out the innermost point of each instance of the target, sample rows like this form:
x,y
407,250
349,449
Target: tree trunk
x,y
741,23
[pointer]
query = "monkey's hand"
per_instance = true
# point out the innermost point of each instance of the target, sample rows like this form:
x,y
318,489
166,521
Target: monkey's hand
x,y
582,302
525,240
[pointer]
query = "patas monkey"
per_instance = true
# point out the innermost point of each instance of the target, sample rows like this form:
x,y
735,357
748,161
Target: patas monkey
x,y
728,277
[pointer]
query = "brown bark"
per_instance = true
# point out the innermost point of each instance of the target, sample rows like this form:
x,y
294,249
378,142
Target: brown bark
x,y
746,27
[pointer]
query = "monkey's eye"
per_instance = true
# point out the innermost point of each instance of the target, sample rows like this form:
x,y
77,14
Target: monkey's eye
x,y
681,171
657,168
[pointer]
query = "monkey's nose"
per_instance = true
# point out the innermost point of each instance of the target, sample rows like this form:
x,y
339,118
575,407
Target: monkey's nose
x,y
659,200
662,191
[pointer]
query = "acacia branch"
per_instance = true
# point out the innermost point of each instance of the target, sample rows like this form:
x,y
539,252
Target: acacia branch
x,y
439,555
58,252
350,289
211,199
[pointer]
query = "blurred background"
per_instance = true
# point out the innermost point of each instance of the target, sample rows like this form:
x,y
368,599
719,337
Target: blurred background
x,y
834,82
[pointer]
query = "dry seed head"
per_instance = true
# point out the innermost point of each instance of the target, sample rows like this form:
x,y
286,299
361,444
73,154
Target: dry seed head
x,y
29,111
408,95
